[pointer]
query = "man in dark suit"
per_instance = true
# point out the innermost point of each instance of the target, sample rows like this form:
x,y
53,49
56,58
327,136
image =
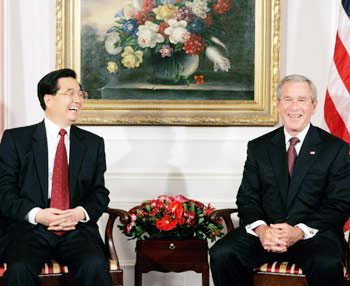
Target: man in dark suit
x,y
293,200
50,209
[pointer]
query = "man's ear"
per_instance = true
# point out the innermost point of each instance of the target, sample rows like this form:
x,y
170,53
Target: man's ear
x,y
47,99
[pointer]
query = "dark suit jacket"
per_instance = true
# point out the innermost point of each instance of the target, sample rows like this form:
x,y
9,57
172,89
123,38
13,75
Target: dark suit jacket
x,y
24,177
318,194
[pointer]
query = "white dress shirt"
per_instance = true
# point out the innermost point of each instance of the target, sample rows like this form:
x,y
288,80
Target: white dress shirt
x,y
308,231
53,137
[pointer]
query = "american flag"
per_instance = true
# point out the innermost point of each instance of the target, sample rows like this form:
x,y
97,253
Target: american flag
x,y
337,103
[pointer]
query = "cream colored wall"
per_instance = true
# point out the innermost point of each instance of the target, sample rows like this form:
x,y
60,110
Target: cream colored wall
x,y
199,162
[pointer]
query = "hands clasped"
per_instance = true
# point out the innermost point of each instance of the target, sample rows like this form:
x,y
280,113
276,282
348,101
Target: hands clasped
x,y
60,220
278,237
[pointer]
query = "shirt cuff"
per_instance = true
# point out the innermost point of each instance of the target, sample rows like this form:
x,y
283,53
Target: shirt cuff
x,y
30,217
308,231
87,218
250,227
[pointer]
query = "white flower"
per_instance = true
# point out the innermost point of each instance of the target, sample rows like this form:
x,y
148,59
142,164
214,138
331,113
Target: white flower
x,y
137,4
219,61
177,31
131,8
112,39
199,8
148,36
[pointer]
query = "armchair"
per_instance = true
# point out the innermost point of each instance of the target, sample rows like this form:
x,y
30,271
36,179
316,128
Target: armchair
x,y
54,274
280,272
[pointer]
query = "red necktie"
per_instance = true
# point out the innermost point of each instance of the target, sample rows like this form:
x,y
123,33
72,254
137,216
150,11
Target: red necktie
x,y
60,188
292,154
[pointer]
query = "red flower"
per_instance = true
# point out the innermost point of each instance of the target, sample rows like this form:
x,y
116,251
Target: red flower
x,y
171,217
147,5
176,208
165,223
208,210
162,27
194,46
142,17
222,7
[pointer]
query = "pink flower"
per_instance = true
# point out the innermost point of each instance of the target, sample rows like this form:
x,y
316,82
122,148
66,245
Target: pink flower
x,y
163,198
147,5
166,51
179,198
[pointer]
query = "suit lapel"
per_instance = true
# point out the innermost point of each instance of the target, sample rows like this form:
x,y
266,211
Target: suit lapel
x,y
306,157
41,158
278,157
76,156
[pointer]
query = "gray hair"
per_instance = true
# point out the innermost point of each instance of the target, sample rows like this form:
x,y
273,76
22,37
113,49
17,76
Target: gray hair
x,y
297,78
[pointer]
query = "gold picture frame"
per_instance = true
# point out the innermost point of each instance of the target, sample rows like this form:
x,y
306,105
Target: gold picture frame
x,y
259,110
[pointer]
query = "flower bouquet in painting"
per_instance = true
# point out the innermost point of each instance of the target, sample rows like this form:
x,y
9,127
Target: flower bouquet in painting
x,y
173,217
168,38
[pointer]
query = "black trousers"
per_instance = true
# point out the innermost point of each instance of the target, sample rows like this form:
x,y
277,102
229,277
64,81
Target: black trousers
x,y
233,258
80,250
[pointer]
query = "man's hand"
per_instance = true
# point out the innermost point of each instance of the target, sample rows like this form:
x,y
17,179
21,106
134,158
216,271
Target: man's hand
x,y
271,238
289,234
60,220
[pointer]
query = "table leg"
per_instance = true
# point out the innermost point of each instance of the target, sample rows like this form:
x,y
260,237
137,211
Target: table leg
x,y
205,277
138,276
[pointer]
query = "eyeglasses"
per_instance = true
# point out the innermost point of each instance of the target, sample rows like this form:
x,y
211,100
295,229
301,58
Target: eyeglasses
x,y
71,93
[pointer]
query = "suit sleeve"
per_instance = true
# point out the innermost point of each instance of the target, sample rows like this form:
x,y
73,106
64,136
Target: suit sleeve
x,y
13,205
248,197
97,200
334,209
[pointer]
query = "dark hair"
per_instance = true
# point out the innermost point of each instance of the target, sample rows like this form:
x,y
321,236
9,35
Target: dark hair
x,y
48,84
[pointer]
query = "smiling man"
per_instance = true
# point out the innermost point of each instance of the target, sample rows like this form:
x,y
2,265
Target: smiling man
x,y
294,197
52,190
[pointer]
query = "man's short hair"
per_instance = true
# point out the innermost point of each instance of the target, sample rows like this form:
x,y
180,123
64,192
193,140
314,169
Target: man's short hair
x,y
297,78
48,84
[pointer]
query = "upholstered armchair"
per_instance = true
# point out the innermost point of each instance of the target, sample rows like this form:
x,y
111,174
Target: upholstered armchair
x,y
278,273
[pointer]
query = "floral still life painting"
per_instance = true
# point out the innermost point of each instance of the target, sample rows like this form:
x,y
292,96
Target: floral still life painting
x,y
172,217
168,49
169,36
172,62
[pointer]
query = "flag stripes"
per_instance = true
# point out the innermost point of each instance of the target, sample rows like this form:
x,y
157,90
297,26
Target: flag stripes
x,y
337,102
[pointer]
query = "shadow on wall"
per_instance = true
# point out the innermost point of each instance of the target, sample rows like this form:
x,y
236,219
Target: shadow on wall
x,y
16,113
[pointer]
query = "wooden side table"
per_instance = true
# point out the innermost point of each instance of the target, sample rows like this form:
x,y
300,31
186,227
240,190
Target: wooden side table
x,y
172,256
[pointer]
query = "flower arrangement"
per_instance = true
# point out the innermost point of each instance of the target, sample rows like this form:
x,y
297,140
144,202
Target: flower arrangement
x,y
169,30
173,217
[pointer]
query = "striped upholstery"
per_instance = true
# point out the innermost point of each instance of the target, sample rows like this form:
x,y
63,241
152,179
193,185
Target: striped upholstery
x,y
284,267
280,268
54,267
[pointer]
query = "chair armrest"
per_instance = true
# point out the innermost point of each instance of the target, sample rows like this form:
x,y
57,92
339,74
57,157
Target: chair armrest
x,y
225,214
109,243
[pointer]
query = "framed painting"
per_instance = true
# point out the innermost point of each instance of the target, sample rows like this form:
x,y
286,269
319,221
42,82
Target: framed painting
x,y
172,62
